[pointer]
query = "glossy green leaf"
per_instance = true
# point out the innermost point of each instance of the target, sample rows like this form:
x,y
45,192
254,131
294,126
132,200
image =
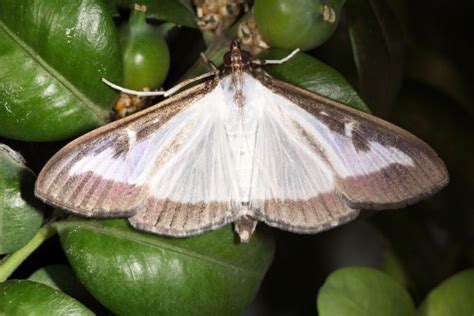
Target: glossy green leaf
x,y
309,73
359,291
22,298
62,278
393,266
59,276
177,11
20,213
452,297
136,273
377,48
53,55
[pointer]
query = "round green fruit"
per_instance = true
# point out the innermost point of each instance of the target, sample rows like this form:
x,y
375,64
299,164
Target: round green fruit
x,y
303,24
146,57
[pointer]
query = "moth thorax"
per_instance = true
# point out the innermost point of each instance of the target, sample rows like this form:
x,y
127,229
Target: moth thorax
x,y
237,86
236,58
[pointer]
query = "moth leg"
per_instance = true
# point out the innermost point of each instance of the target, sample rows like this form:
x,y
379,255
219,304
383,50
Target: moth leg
x,y
209,62
261,62
164,93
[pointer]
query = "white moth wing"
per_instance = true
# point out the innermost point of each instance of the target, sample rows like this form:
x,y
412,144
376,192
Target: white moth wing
x,y
164,167
292,187
199,183
368,162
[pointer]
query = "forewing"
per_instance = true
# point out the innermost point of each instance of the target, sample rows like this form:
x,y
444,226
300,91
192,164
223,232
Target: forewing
x,y
293,187
196,190
375,164
106,172
168,168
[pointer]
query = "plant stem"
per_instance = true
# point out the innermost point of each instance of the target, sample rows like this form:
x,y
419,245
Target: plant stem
x,y
14,260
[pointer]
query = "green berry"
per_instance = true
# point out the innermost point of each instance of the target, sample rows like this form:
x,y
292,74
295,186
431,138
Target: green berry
x,y
303,24
146,56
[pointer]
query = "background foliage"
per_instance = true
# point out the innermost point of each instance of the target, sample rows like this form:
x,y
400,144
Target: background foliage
x,y
408,62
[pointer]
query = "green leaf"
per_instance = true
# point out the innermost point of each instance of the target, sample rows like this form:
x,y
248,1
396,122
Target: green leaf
x,y
61,277
393,266
53,55
20,213
57,276
452,297
408,236
359,291
309,73
378,52
176,11
136,273
22,297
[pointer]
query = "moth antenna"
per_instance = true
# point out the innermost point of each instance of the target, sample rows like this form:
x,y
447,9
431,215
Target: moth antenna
x,y
275,61
165,93
208,62
133,92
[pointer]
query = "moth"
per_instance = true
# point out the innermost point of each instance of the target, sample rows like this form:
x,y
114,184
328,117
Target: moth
x,y
241,147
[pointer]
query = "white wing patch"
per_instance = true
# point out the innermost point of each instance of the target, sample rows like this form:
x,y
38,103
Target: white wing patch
x,y
345,158
283,167
348,127
132,137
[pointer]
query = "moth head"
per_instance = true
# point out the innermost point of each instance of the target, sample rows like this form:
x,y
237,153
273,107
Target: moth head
x,y
236,58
